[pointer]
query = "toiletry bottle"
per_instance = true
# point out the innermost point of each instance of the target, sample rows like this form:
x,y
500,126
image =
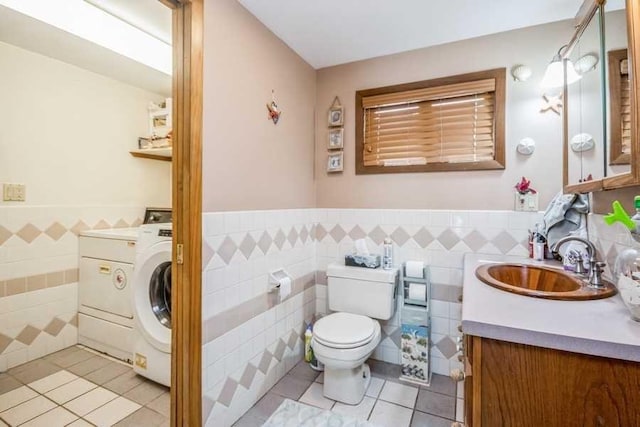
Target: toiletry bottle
x,y
636,217
539,243
308,353
387,254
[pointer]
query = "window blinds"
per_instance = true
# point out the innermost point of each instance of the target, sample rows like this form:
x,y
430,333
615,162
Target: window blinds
x,y
625,107
452,123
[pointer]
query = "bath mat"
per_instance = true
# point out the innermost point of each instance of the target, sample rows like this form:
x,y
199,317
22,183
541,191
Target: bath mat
x,y
296,414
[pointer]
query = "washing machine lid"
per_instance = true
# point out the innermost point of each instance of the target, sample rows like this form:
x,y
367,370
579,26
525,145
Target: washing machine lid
x,y
344,330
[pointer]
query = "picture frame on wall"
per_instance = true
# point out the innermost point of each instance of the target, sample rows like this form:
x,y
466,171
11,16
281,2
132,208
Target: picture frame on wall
x,y
336,139
335,162
336,115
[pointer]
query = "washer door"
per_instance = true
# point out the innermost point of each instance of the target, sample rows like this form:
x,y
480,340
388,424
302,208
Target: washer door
x,y
152,295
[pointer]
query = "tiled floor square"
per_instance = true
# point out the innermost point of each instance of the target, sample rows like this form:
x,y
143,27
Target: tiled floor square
x,y
442,384
16,397
400,394
142,417
360,411
55,417
27,410
313,396
112,412
291,387
108,372
162,404
145,392
69,357
124,382
375,386
266,406
70,391
80,423
52,381
89,365
436,404
33,371
303,371
420,419
8,383
320,378
90,401
387,414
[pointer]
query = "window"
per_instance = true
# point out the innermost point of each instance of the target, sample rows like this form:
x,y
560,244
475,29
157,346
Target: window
x,y
448,124
619,93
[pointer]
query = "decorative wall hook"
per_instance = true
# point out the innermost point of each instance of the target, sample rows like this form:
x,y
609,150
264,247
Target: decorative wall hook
x,y
274,112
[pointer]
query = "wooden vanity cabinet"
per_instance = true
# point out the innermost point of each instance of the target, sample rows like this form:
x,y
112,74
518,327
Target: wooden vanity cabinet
x,y
517,385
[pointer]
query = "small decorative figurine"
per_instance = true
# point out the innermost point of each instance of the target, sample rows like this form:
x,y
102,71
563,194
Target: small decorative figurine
x,y
274,112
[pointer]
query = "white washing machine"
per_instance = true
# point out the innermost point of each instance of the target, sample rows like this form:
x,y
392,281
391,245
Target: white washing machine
x,y
151,296
105,316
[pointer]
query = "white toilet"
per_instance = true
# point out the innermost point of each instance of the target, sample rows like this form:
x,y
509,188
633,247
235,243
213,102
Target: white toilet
x,y
344,340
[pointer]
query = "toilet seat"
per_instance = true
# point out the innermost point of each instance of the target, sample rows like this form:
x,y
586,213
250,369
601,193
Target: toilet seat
x,y
345,330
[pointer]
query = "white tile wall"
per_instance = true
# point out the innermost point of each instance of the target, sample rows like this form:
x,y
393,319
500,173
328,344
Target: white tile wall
x,y
37,309
46,254
453,233
229,283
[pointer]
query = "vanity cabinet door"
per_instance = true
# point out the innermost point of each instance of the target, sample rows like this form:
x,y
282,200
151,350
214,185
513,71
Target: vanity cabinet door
x,y
527,386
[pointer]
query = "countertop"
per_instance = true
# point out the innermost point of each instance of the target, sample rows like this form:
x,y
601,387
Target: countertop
x,y
598,327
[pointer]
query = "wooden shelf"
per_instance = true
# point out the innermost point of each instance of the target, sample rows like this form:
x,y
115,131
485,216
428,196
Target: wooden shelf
x,y
153,153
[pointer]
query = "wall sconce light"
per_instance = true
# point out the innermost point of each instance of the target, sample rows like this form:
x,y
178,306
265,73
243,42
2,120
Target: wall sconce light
x,y
586,63
554,75
521,73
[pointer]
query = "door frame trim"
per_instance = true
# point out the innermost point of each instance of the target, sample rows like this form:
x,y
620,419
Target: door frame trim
x,y
186,343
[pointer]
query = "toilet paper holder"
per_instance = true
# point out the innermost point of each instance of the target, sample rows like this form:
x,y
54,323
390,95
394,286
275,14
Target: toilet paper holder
x,y
276,277
407,281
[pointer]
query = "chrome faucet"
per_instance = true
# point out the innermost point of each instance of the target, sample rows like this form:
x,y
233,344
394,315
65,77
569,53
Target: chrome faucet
x,y
595,267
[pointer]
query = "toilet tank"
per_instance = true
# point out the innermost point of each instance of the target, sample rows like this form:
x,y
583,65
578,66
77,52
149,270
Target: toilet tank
x,y
366,291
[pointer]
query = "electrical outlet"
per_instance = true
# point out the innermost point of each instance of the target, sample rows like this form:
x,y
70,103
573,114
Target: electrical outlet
x,y
526,202
14,192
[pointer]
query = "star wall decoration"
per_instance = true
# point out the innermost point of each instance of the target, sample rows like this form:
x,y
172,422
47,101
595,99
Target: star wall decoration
x,y
551,102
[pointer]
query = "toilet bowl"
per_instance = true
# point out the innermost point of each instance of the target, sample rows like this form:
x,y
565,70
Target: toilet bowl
x,y
343,342
345,339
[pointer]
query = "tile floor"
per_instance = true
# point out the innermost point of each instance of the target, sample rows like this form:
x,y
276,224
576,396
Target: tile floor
x,y
387,403
76,387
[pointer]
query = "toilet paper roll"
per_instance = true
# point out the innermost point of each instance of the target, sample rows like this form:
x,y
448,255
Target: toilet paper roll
x,y
417,291
414,269
285,287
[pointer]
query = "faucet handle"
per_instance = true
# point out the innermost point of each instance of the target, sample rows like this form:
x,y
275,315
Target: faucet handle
x,y
595,278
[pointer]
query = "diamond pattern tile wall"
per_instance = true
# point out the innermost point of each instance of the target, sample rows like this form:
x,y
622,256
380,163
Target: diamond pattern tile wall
x,y
230,387
56,230
29,333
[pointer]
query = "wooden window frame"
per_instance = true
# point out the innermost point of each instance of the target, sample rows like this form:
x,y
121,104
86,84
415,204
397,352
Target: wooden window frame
x,y
499,74
616,156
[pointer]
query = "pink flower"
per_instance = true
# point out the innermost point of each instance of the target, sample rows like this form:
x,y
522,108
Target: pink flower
x,y
523,187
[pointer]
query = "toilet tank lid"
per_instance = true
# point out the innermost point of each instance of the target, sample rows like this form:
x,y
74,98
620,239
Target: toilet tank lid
x,y
361,273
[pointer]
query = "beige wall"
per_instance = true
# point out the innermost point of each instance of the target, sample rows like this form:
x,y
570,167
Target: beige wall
x,y
534,46
248,163
66,133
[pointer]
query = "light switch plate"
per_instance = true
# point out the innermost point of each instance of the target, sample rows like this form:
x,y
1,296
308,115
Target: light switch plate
x,y
526,202
14,192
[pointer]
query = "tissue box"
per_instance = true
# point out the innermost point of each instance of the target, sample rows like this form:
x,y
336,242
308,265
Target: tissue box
x,y
367,261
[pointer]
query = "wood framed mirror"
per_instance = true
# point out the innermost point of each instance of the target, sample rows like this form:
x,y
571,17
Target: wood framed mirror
x,y
619,156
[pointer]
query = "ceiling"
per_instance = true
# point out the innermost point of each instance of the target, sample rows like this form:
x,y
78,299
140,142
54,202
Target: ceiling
x,y
37,36
331,32
150,16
